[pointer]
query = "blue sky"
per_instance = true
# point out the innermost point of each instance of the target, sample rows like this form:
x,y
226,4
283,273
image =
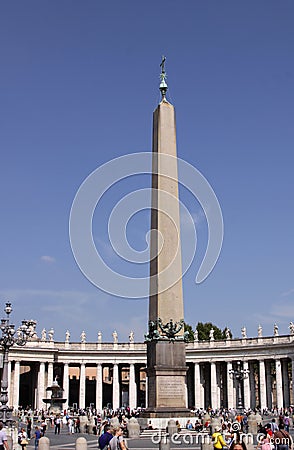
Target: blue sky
x,y
79,83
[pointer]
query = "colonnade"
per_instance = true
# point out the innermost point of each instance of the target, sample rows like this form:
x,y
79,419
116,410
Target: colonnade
x,y
115,377
44,377
267,383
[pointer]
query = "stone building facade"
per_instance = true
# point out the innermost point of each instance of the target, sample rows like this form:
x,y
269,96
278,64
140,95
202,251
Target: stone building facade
x,y
113,374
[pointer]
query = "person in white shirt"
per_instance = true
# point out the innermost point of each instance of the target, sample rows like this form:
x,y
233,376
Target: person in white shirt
x,y
118,442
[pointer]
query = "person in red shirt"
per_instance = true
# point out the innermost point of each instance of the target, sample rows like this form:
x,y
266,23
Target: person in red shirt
x,y
269,430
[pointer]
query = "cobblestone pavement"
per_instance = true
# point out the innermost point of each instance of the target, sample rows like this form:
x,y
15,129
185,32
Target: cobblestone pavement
x,y
64,440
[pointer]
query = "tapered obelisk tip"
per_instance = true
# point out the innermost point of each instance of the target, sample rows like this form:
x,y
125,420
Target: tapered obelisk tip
x,y
163,86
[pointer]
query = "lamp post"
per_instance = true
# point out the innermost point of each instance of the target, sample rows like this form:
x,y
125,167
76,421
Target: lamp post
x,y
239,375
9,337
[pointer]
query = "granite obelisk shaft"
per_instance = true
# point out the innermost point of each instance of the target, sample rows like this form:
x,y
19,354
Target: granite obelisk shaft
x,y
166,359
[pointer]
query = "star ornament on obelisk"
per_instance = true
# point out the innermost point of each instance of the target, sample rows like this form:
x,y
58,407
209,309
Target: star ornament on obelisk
x,y
166,351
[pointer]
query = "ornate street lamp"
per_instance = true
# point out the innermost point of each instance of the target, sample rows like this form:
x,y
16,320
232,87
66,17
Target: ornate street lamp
x,y
9,337
239,375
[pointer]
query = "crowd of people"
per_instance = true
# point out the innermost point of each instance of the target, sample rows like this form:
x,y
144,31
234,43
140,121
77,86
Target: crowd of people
x,y
37,423
104,431
277,429
232,433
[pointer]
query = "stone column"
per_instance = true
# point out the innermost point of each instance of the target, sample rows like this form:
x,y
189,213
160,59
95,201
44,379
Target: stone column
x,y
132,388
279,385
286,383
246,385
218,385
197,402
50,374
202,386
213,386
292,361
50,377
268,380
187,395
99,388
146,392
82,398
252,386
262,385
10,396
65,384
16,384
230,386
41,386
115,388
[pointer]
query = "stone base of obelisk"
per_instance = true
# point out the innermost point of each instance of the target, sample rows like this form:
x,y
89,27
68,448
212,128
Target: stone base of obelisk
x,y
166,371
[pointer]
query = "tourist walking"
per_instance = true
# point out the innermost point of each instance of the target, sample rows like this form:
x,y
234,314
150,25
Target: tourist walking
x,y
44,427
105,438
57,421
286,422
282,438
70,425
264,443
118,442
37,437
23,439
274,426
77,425
29,427
3,438
218,440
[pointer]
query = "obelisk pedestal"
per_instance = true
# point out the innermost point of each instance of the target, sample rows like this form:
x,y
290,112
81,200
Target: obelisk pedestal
x,y
166,379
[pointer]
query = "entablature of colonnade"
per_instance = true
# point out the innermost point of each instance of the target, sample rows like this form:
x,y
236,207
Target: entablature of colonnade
x,y
121,353
76,353
241,349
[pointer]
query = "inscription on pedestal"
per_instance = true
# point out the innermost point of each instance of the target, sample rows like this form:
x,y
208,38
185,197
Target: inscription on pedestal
x,y
171,389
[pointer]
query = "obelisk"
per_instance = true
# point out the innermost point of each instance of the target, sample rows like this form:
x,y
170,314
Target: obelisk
x,y
166,358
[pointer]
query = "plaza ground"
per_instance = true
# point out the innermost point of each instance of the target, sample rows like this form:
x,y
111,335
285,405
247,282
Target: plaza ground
x,y
65,441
